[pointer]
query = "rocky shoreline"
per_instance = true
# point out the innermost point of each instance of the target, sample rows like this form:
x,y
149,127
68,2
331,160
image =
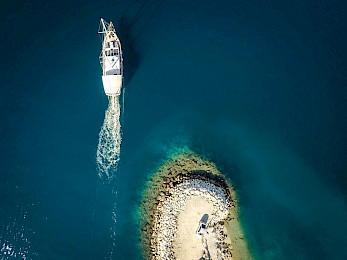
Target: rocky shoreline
x,y
184,177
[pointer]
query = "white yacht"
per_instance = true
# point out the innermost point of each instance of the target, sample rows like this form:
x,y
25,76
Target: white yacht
x,y
111,59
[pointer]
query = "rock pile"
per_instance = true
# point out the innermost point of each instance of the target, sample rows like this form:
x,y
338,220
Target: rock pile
x,y
169,206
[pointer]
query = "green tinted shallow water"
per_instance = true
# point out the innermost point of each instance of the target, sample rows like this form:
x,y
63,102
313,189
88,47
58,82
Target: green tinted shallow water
x,y
257,88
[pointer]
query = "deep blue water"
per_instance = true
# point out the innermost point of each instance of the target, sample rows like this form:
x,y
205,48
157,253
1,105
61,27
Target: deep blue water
x,y
257,86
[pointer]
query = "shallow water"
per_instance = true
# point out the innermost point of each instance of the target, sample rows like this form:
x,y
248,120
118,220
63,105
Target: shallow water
x,y
257,88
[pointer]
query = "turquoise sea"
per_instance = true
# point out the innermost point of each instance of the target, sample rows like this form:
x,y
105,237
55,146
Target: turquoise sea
x,y
259,87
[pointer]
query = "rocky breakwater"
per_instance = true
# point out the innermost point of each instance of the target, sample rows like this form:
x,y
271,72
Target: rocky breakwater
x,y
179,180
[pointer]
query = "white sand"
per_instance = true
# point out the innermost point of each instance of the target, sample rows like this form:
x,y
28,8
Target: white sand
x,y
187,245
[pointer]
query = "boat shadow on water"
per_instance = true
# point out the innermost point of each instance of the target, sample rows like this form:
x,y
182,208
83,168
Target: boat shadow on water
x,y
130,54
129,36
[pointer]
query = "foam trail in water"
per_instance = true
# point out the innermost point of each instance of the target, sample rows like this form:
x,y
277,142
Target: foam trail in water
x,y
110,138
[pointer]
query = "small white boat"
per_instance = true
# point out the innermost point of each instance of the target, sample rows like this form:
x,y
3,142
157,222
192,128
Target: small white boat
x,y
202,226
111,59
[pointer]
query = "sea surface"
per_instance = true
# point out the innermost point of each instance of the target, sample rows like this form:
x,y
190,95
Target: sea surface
x,y
258,87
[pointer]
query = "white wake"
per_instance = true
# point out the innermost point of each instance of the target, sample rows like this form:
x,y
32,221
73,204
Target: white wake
x,y
107,156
